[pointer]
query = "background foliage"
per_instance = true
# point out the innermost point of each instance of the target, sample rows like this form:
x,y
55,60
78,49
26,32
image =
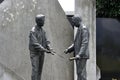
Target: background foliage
x,y
108,8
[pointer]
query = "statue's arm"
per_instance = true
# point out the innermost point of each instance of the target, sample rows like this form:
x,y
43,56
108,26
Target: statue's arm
x,y
34,42
70,48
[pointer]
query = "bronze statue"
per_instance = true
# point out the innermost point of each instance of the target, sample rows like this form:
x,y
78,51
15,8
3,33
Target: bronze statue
x,y
38,45
80,48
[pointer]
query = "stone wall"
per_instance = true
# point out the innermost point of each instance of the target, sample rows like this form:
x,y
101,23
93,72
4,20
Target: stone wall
x,y
17,19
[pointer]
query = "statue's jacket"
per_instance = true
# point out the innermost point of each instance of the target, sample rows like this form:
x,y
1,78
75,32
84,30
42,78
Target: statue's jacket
x,y
81,41
37,40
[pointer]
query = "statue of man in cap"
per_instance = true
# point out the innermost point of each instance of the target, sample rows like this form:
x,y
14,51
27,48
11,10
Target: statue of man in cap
x,y
38,45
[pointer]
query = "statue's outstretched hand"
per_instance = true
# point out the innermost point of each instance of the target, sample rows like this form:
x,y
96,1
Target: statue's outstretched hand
x,y
66,51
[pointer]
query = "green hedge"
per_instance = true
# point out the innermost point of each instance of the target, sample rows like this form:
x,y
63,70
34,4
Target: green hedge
x,y
108,8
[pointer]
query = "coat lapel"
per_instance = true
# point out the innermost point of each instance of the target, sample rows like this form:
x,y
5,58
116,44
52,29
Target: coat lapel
x,y
78,33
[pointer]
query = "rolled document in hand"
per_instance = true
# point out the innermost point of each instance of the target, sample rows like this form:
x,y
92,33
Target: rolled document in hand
x,y
73,58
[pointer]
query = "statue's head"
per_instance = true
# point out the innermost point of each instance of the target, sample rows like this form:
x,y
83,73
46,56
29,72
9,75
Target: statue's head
x,y
40,19
76,20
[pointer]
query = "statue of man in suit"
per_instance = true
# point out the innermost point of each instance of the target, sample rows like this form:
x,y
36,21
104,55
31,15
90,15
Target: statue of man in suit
x,y
80,47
